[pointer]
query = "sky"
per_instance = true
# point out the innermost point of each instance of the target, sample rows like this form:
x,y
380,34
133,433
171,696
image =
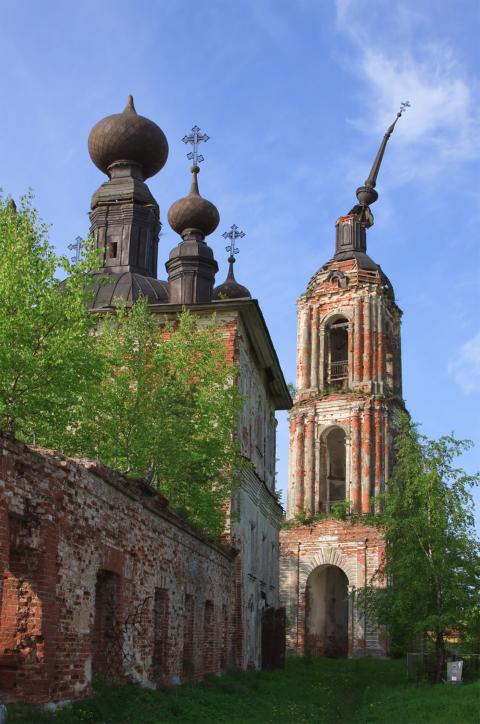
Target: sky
x,y
295,96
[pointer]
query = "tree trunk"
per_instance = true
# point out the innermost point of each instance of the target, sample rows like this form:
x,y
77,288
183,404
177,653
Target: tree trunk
x,y
440,657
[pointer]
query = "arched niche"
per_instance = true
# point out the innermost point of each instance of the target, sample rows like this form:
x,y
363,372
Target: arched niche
x,y
336,354
327,612
333,467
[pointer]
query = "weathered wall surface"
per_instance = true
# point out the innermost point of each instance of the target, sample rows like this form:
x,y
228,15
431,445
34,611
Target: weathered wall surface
x,y
99,575
354,548
363,404
254,531
341,453
257,423
256,515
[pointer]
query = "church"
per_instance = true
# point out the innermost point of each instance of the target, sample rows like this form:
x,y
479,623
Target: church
x,y
99,576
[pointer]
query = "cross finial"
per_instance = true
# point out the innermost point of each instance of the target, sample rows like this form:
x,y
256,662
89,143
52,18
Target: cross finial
x,y
233,235
76,247
195,137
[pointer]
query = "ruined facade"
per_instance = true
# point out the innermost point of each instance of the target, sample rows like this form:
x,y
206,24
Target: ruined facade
x,y
99,575
341,430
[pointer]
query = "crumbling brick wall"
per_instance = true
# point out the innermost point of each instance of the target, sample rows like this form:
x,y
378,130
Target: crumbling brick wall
x,y
350,546
99,575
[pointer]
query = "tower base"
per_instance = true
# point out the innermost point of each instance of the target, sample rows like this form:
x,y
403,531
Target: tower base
x,y
321,567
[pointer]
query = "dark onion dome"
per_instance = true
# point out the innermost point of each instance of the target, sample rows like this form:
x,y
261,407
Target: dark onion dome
x,y
128,287
128,137
231,289
193,211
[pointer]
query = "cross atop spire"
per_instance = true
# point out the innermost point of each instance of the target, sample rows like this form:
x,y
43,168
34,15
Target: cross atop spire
x,y
233,235
194,138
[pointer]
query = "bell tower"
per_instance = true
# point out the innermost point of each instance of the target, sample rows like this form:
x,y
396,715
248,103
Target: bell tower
x,y
349,390
349,381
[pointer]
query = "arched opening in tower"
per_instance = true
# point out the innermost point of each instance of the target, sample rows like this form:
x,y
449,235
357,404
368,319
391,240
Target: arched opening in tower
x,y
337,353
333,486
326,613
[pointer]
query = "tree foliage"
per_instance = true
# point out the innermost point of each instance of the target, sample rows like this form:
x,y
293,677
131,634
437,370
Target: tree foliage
x,y
47,364
143,397
167,407
431,562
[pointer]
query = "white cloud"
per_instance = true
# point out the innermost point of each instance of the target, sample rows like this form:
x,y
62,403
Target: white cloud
x,y
464,368
443,117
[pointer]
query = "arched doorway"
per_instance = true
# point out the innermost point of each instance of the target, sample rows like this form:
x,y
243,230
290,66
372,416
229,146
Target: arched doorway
x,y
326,614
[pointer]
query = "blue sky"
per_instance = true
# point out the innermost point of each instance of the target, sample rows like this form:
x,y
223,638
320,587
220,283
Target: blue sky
x,y
295,96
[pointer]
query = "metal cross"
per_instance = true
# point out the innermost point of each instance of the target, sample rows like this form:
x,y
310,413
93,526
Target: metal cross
x,y
233,235
76,247
404,106
195,137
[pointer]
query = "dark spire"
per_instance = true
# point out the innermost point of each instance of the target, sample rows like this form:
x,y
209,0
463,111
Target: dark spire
x,y
130,107
231,289
366,194
351,228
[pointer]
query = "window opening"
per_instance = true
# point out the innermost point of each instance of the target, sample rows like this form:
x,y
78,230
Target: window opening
x,y
337,353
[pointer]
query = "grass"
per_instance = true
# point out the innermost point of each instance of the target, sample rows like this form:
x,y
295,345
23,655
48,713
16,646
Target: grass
x,y
310,690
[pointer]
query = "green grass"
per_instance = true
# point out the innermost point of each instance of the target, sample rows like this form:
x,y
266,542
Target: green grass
x,y
310,690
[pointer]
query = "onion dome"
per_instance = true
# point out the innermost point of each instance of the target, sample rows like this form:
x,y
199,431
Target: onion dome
x,y
129,138
231,289
193,212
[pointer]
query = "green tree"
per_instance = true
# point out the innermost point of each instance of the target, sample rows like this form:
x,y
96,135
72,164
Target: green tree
x,y
167,407
431,563
143,397
47,365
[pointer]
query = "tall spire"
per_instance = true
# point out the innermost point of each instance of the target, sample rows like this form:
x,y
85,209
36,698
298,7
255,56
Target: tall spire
x,y
366,194
351,228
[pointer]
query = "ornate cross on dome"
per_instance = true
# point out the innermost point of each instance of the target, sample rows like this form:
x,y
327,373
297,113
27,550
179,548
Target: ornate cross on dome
x,y
195,137
233,235
76,247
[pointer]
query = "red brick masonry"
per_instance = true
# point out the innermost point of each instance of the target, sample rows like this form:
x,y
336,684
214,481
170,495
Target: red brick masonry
x,y
99,576
353,547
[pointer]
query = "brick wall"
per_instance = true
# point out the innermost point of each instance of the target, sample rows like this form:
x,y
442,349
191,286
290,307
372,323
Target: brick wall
x,y
99,575
353,548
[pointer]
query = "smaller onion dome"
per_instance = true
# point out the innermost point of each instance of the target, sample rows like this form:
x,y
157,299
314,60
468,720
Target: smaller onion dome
x,y
231,289
128,137
193,211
